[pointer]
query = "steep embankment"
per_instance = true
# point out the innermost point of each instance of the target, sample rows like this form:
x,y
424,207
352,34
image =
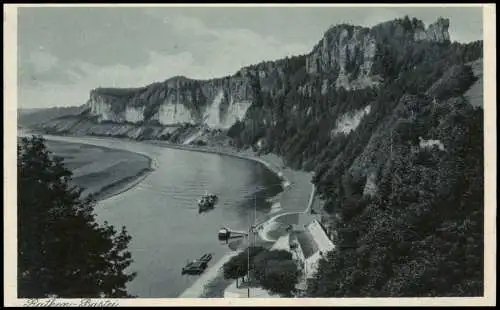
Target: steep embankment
x,y
182,110
390,120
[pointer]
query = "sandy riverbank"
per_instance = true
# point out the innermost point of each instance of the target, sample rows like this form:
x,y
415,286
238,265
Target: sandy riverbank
x,y
291,180
100,171
211,283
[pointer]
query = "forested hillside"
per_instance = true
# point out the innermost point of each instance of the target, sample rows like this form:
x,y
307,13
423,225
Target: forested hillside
x,y
406,184
30,117
383,118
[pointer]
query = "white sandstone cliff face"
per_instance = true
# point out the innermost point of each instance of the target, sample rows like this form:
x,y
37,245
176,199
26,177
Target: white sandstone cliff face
x,y
350,121
218,113
341,47
345,56
236,112
371,187
134,114
171,113
436,32
212,113
104,110
216,116
336,49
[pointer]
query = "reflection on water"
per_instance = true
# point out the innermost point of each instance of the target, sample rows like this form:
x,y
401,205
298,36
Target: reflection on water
x,y
162,216
161,213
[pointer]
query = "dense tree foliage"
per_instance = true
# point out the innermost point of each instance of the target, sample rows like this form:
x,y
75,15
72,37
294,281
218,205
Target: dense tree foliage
x,y
276,271
62,251
419,232
262,259
422,233
280,277
237,266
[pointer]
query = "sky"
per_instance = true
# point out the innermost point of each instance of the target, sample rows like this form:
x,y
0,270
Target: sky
x,y
64,52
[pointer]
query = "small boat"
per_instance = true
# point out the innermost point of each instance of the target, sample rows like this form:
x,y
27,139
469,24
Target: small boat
x,y
197,266
194,267
206,257
207,202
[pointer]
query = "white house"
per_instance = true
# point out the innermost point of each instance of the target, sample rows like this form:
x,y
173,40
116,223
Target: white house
x,y
313,242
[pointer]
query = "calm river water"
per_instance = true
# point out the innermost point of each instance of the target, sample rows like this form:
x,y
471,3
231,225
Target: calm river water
x,y
161,212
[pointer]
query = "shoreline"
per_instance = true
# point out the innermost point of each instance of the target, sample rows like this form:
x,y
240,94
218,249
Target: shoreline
x,y
197,289
224,152
212,273
228,151
119,186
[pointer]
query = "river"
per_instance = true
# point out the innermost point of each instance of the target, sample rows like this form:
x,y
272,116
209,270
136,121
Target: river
x,y
161,213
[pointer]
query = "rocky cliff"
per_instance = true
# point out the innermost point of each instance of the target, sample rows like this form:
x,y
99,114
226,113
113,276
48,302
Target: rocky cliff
x,y
349,52
389,119
344,58
334,87
218,103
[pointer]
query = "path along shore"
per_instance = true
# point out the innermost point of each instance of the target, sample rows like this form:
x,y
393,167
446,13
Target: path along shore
x,y
273,162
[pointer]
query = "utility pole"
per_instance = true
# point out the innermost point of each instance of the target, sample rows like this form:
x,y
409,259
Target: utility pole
x,y
392,167
254,215
248,263
251,235
305,272
248,249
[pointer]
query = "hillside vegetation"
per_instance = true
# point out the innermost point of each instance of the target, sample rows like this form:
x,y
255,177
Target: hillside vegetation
x,y
421,232
31,117
398,157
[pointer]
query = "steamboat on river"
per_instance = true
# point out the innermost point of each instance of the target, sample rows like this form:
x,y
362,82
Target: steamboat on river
x,y
207,202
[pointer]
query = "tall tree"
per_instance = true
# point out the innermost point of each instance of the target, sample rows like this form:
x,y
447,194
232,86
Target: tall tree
x,y
263,258
62,250
237,266
280,277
